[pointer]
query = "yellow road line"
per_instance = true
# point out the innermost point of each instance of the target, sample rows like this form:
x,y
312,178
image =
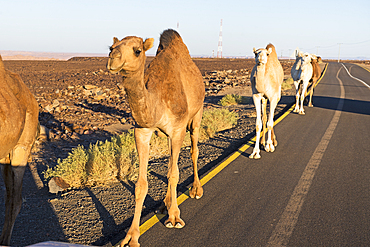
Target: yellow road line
x,y
157,217
322,75
362,66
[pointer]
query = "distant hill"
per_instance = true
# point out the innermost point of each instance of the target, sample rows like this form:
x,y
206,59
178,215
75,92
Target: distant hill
x,y
29,55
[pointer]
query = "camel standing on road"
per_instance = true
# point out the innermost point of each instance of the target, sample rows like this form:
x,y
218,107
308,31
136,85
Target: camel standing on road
x,y
301,73
266,79
168,98
18,129
316,73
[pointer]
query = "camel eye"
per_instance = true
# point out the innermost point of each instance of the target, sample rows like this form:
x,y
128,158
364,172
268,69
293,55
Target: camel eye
x,y
137,52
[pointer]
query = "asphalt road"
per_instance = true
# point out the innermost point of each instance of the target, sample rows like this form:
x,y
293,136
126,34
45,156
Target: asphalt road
x,y
314,190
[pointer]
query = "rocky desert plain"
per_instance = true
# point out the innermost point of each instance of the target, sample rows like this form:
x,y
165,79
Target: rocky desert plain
x,y
80,103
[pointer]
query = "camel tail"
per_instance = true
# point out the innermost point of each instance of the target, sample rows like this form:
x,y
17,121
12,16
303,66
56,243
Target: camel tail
x,y
167,36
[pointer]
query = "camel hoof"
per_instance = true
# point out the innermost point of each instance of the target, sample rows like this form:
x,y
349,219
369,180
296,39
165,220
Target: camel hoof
x,y
169,225
179,225
270,148
302,113
129,245
310,105
255,156
196,192
126,245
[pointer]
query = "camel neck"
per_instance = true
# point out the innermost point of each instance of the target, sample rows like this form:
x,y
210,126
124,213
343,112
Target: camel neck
x,y
298,64
260,77
261,71
139,98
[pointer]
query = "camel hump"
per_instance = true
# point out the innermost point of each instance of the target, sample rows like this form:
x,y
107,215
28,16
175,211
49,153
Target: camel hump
x,y
167,37
1,63
272,47
2,67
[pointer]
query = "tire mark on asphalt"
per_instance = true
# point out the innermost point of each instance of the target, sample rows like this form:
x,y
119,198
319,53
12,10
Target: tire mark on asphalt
x,y
284,228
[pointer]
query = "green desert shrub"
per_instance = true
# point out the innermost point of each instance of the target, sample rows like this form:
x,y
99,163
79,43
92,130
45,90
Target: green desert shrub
x,y
287,83
234,99
105,162
215,120
71,169
100,164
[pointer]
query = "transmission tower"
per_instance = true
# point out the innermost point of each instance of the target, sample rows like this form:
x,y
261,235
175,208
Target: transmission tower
x,y
219,50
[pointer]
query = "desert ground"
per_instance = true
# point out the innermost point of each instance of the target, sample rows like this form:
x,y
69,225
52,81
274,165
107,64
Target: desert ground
x,y
80,103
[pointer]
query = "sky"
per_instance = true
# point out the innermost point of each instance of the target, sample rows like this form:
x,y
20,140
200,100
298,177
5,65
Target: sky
x,y
329,28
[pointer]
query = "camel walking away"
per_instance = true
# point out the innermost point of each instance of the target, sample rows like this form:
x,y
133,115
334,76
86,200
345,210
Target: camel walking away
x,y
316,73
168,98
301,73
18,130
266,79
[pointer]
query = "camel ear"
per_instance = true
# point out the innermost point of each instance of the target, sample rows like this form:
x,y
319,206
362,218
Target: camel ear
x,y
300,54
269,51
148,43
115,40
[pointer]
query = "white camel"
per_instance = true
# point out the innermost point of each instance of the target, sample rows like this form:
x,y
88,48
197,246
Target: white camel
x,y
301,73
266,79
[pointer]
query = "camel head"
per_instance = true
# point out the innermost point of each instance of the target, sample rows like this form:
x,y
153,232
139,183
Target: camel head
x,y
313,58
128,55
261,55
297,53
306,58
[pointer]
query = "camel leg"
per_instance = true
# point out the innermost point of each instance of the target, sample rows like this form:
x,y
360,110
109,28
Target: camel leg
x,y
142,138
303,96
196,190
13,170
167,200
174,219
273,136
264,120
311,93
296,108
271,141
256,149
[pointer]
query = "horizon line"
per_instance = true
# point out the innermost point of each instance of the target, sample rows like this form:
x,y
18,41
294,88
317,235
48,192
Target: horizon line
x,y
36,55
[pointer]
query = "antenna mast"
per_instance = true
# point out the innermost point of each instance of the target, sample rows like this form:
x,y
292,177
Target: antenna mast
x,y
219,50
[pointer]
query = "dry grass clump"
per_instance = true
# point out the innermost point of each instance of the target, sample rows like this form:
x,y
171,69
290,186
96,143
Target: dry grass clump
x,y
105,162
234,99
215,120
100,164
287,83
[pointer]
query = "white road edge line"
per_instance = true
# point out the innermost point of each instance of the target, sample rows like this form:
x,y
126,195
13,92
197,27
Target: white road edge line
x,y
284,228
355,77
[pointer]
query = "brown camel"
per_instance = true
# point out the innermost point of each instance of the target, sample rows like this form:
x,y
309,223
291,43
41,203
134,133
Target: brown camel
x,y
168,98
18,129
315,76
266,79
